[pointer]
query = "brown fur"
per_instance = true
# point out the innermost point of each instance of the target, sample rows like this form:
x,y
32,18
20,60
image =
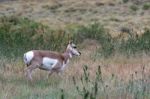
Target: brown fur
x,y
38,56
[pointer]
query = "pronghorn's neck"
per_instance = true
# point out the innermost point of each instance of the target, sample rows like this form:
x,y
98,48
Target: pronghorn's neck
x,y
67,55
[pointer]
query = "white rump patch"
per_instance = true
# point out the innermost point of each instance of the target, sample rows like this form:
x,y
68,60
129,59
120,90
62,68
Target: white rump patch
x,y
48,63
28,57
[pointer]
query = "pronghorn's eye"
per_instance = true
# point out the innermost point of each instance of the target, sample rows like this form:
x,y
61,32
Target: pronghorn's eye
x,y
74,47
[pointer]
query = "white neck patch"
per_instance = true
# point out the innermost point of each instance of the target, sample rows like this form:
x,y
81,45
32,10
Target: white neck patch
x,y
70,55
64,64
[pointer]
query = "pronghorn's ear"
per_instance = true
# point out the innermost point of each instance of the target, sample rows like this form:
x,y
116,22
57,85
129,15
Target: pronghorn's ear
x,y
70,41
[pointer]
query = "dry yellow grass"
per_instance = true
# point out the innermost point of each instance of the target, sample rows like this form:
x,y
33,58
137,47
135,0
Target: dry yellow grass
x,y
121,66
60,14
113,14
14,85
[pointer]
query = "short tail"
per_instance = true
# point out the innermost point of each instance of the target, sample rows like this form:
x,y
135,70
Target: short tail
x,y
28,56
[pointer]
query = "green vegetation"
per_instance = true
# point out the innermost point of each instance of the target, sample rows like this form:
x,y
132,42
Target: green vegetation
x,y
134,7
18,35
89,88
125,1
97,32
146,6
97,87
110,34
137,44
88,85
109,46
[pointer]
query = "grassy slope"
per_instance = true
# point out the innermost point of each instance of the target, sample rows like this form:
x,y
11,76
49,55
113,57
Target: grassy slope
x,y
59,14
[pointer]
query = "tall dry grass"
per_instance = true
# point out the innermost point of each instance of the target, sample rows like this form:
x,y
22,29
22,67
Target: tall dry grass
x,y
123,76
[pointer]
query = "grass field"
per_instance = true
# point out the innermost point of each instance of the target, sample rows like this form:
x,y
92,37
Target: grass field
x,y
115,61
122,78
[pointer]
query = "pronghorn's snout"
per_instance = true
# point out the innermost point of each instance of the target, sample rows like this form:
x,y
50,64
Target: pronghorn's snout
x,y
73,49
76,52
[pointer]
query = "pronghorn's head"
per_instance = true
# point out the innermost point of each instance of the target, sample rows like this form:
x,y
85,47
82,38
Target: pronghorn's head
x,y
73,49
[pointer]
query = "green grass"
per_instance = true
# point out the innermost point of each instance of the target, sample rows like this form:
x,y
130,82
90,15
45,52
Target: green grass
x,y
85,86
18,35
98,88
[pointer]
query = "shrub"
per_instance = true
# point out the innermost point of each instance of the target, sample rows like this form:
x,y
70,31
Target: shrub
x,y
90,87
146,6
92,31
136,44
109,45
97,32
144,41
125,1
125,30
98,87
18,35
134,7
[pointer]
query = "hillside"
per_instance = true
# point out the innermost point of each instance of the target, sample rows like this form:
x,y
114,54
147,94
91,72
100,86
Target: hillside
x,y
112,35
113,14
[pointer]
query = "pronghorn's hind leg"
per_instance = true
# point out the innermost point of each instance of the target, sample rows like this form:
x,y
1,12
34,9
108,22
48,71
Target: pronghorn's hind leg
x,y
29,69
56,68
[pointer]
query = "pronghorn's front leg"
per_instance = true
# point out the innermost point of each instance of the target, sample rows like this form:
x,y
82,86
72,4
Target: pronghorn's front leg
x,y
29,69
56,68
50,73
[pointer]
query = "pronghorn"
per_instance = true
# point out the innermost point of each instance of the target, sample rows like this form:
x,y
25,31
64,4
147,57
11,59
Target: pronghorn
x,y
49,60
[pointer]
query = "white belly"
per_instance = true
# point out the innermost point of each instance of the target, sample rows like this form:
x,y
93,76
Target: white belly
x,y
48,63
